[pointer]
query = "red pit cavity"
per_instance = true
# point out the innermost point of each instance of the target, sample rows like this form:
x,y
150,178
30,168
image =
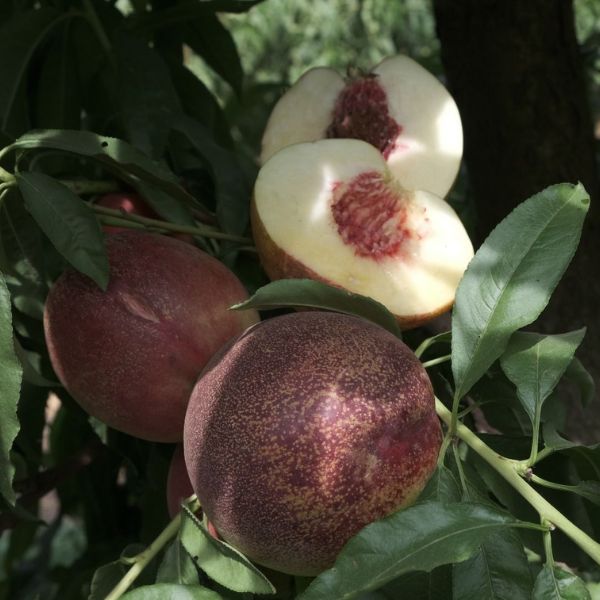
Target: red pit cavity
x,y
370,216
361,112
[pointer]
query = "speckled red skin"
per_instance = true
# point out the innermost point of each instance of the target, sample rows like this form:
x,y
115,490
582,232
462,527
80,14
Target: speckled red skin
x,y
311,426
132,203
131,355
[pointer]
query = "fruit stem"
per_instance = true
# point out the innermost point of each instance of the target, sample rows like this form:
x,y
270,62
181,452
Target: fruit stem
x,y
437,361
508,469
165,225
144,558
550,484
535,440
548,543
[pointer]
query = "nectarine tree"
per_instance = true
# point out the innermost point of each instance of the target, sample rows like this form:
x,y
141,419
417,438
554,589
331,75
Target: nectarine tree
x,y
158,441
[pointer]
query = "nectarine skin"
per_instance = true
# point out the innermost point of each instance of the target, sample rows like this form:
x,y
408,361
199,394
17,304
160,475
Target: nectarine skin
x,y
311,426
131,355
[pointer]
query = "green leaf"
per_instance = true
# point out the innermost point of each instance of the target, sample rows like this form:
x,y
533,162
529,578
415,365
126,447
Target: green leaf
x,y
10,387
177,566
417,585
535,363
68,222
155,182
146,95
442,487
580,376
590,490
233,191
220,561
314,294
199,103
557,584
22,255
512,276
171,591
19,39
58,94
553,440
31,369
422,537
499,571
208,38
105,579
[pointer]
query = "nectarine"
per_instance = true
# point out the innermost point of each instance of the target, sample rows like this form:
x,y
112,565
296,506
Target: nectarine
x,y
131,355
310,426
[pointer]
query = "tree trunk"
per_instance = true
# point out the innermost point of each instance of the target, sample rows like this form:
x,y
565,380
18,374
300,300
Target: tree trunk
x,y
514,69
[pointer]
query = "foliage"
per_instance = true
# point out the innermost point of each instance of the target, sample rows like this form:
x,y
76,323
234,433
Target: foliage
x,y
98,96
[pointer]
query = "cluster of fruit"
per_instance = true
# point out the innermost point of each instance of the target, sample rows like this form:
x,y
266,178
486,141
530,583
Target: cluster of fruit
x,y
299,430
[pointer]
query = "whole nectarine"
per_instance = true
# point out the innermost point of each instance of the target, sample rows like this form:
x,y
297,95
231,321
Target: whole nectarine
x,y
131,355
309,427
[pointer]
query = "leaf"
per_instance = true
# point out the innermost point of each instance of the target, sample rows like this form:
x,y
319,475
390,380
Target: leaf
x,y
146,95
58,93
10,387
208,38
233,191
120,158
557,584
553,440
314,294
170,591
442,487
417,585
581,377
199,103
177,566
220,561
31,371
19,39
512,276
68,222
22,255
421,537
535,363
499,571
590,490
105,579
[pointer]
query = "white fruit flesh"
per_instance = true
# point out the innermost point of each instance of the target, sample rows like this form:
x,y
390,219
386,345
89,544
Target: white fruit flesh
x,y
426,150
303,113
296,197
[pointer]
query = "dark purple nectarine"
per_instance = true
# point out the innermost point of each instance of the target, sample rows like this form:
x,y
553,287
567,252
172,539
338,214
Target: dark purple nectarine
x,y
308,428
131,355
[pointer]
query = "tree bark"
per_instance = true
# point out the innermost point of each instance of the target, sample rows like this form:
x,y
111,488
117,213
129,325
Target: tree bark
x,y
514,69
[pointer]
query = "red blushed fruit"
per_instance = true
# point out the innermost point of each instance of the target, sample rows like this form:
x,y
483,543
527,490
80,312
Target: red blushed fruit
x,y
308,428
131,355
131,203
